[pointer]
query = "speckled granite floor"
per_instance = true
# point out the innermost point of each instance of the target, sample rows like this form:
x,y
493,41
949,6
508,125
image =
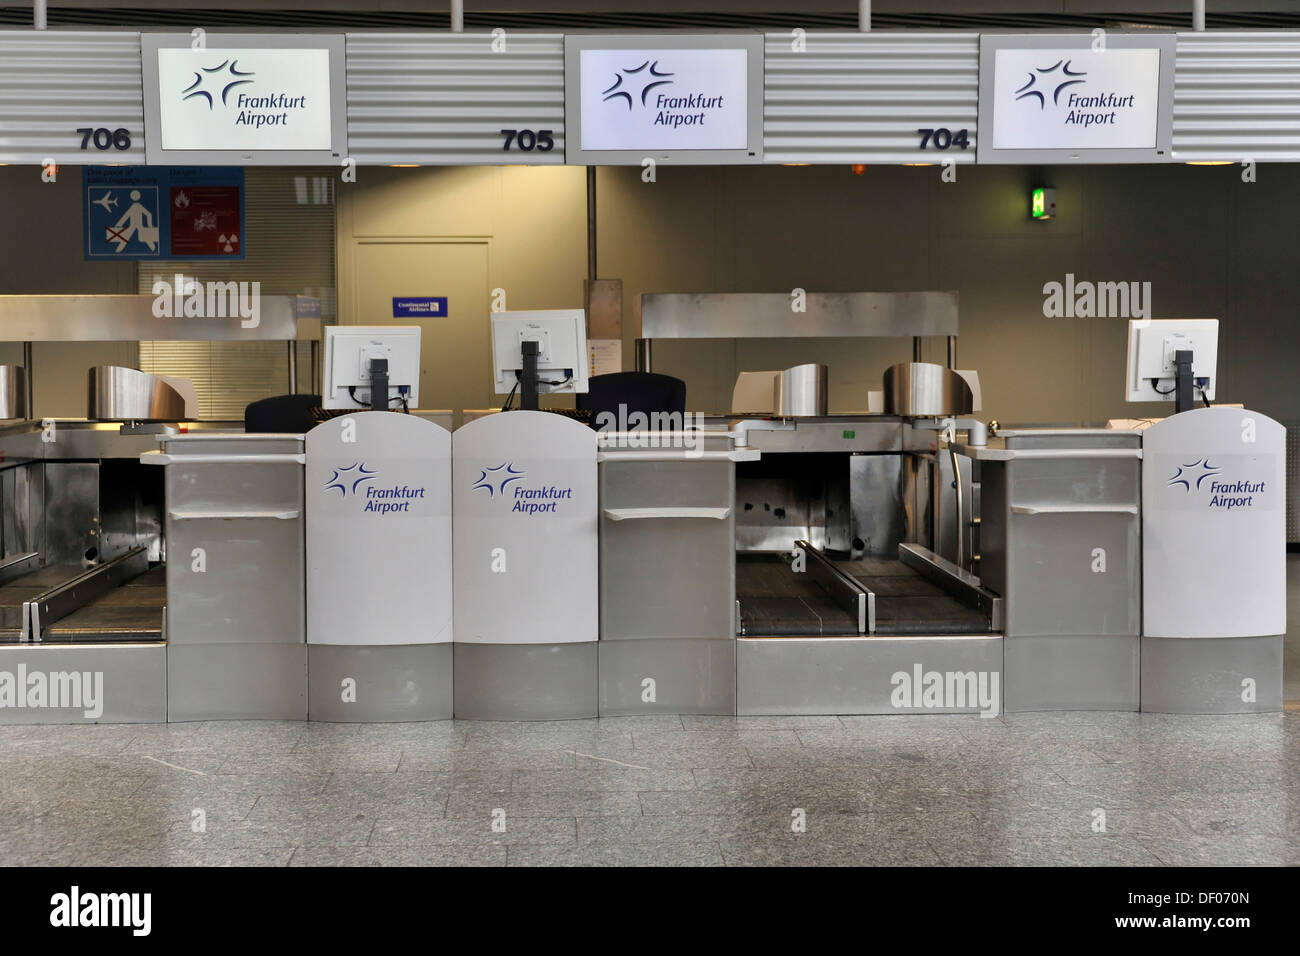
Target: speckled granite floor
x,y
659,790
1021,789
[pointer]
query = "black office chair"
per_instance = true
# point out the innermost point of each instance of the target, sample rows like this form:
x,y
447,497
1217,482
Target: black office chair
x,y
281,413
645,392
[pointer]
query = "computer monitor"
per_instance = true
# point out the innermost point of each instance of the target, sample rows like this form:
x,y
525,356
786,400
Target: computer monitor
x,y
1153,345
346,364
561,337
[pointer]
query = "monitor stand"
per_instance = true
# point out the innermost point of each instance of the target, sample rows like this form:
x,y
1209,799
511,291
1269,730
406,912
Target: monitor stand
x,y
528,377
1184,393
379,384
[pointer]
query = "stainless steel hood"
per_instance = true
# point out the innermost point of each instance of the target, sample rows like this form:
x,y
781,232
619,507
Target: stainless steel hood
x,y
130,318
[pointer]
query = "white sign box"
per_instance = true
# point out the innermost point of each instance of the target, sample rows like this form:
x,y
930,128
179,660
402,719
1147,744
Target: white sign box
x,y
690,99
665,99
244,99
1076,99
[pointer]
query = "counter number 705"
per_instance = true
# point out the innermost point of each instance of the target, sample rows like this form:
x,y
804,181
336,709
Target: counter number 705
x,y
527,140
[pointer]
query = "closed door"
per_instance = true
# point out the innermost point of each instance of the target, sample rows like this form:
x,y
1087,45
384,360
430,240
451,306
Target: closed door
x,y
455,349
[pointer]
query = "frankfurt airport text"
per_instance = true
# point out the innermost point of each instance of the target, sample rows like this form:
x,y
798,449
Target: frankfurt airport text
x,y
696,101
276,102
1080,105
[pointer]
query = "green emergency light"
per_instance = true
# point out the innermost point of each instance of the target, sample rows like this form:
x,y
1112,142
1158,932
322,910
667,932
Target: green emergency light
x,y
1042,203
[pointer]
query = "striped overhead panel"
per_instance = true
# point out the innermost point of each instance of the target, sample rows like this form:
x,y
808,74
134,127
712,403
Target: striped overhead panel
x,y
861,97
444,99
53,83
1237,97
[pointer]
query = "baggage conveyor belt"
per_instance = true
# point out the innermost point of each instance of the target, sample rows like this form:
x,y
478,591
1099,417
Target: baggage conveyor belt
x,y
132,613
775,601
119,601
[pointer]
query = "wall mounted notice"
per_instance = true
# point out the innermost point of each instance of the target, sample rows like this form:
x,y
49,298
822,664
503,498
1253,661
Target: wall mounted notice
x,y
1072,98
419,307
163,212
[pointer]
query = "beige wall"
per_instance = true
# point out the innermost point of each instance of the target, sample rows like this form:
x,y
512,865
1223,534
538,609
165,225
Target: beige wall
x,y
1211,245
41,253
533,220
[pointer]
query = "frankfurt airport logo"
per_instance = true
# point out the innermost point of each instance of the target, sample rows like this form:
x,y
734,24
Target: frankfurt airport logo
x,y
1056,77
1225,494
494,480
1191,476
348,480
640,80
209,80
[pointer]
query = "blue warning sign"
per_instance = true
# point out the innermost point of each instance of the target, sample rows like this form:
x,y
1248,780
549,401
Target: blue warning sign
x,y
164,212
122,222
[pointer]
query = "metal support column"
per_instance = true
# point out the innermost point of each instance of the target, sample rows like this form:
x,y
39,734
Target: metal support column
x,y
591,223
27,374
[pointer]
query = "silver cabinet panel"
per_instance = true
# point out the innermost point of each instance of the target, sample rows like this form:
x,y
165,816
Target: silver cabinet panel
x,y
1072,672
670,576
847,675
1055,582
689,677
237,682
1084,481
525,681
251,588
232,486
664,484
1206,675
391,682
234,533
103,683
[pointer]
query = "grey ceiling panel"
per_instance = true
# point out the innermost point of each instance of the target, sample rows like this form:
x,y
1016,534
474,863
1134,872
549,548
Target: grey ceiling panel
x,y
444,98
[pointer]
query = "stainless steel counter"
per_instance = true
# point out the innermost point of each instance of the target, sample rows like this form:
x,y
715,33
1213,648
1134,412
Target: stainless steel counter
x,y
1059,540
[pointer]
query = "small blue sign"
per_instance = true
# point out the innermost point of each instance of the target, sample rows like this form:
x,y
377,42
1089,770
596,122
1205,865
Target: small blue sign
x,y
123,221
419,307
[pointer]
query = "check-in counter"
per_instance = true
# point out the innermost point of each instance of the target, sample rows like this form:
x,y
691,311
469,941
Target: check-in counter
x,y
525,554
235,609
1214,562
1059,541
668,574
379,568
